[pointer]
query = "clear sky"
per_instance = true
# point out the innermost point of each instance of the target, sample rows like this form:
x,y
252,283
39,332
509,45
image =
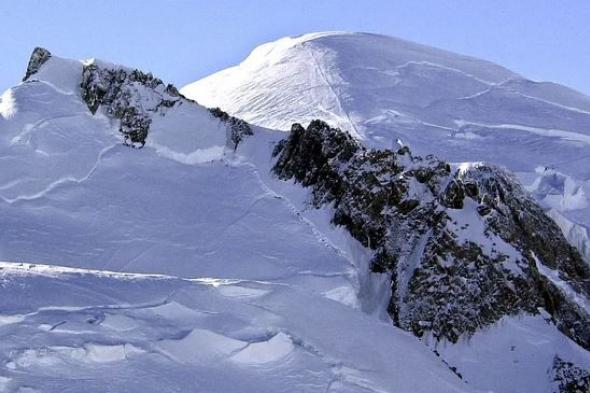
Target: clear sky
x,y
182,40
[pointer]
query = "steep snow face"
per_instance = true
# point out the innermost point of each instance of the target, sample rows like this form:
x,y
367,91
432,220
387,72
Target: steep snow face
x,y
328,76
524,348
381,89
185,259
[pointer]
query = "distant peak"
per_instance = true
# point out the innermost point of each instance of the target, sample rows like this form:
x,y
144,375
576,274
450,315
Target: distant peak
x,y
37,59
292,41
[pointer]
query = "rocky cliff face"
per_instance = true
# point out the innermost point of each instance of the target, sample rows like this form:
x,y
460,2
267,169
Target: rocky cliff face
x,y
134,97
238,128
464,247
116,89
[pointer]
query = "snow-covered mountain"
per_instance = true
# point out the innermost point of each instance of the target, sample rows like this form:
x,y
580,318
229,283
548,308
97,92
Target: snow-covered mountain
x,y
228,285
381,89
157,245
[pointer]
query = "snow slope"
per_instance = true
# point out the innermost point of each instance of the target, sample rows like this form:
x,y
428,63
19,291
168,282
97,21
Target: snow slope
x,y
82,330
461,109
181,266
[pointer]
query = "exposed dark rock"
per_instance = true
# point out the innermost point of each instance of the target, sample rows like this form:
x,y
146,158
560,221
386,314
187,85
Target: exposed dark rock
x,y
38,58
471,190
454,195
447,280
568,378
116,91
238,128
134,98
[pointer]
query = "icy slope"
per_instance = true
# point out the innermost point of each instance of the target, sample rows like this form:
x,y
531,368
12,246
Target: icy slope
x,y
184,205
459,108
316,76
254,294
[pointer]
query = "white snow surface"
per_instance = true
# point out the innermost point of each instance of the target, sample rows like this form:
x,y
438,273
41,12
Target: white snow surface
x,y
382,89
182,266
79,330
521,349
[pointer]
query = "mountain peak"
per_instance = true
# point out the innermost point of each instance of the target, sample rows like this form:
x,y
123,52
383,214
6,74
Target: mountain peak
x,y
312,76
382,48
268,265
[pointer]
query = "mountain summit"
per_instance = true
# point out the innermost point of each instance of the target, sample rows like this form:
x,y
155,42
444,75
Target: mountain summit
x,y
382,89
344,78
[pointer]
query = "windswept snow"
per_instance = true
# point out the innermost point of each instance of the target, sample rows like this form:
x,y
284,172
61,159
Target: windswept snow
x,y
141,333
271,350
7,105
519,353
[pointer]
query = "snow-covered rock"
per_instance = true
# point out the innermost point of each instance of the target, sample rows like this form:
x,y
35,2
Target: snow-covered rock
x,y
465,248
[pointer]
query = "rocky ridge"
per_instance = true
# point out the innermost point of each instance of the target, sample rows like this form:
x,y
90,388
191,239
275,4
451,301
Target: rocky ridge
x,y
134,97
38,58
464,247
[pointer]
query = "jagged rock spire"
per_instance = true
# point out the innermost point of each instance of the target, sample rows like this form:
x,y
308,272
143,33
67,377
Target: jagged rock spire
x,y
37,59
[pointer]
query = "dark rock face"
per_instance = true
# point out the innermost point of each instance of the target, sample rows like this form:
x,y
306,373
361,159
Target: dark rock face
x,y
134,97
568,378
454,195
116,91
463,248
38,58
238,128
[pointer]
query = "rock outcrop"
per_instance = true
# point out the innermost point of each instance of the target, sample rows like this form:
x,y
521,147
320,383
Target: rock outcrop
x,y
38,58
238,129
116,90
464,247
568,378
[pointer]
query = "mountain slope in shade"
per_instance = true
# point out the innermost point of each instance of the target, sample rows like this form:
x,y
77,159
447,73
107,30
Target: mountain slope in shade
x,y
381,89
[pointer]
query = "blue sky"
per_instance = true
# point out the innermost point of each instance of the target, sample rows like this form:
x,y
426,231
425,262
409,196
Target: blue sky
x,y
182,40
